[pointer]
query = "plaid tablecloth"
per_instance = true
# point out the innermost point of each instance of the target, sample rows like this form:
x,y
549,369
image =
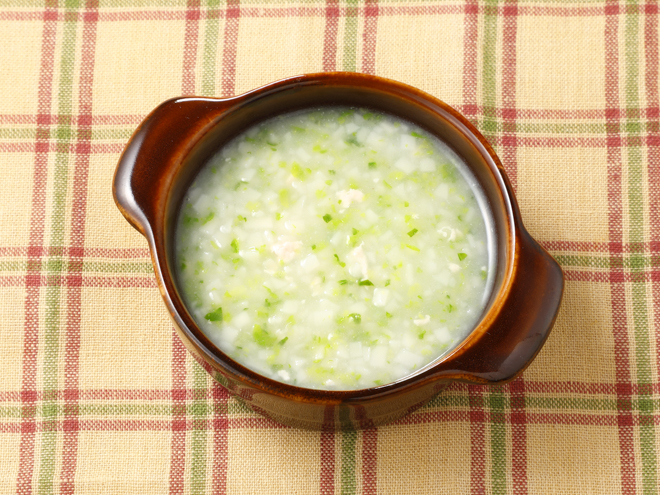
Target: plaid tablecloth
x,y
97,394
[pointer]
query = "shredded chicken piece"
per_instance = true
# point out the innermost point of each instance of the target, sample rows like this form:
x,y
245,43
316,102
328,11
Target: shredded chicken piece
x,y
286,251
361,258
448,233
352,195
422,321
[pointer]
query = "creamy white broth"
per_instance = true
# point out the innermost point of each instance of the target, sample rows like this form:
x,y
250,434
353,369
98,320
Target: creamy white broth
x,y
336,248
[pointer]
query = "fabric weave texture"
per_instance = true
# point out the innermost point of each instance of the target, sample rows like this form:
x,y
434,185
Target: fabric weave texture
x,y
98,395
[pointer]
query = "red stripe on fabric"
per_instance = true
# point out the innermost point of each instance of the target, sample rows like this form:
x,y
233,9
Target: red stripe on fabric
x,y
617,276
650,112
617,289
651,57
518,416
510,161
509,112
233,16
147,281
124,425
76,280
370,461
50,147
77,242
271,12
87,252
477,439
178,424
37,227
190,40
369,36
70,119
327,480
652,247
504,140
531,387
330,35
470,75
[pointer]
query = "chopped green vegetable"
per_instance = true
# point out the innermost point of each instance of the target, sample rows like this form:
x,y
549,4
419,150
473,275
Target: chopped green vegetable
x,y
332,172
343,282
214,315
372,165
462,256
327,217
356,317
365,282
188,220
298,172
278,216
283,341
387,282
234,245
313,247
355,231
341,263
262,337
412,247
416,134
208,218
412,232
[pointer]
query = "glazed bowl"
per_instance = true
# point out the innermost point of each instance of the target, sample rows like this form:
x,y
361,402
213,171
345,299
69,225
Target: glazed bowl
x,y
179,137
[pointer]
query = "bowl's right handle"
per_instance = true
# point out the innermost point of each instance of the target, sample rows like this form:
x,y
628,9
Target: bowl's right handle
x,y
155,150
519,329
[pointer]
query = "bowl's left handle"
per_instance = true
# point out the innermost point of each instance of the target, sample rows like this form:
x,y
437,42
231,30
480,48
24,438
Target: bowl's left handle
x,y
154,152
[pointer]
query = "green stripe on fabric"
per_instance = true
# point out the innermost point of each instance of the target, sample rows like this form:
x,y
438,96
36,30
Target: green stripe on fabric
x,y
56,265
198,444
66,133
104,4
495,399
643,359
350,36
210,50
52,321
644,404
348,461
637,262
121,133
498,444
489,68
348,456
45,410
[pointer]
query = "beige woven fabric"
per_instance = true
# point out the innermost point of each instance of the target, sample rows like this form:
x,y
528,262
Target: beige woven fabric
x,y
97,394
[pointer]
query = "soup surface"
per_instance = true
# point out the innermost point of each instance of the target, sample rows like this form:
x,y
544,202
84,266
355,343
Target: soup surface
x,y
336,248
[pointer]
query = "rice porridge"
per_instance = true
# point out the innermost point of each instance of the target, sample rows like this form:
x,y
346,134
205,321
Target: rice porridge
x,y
335,248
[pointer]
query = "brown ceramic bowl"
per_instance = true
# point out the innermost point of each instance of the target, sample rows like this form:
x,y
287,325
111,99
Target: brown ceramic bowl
x,y
177,138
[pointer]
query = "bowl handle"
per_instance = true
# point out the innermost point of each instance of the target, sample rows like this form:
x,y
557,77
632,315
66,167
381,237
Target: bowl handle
x,y
516,332
155,150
